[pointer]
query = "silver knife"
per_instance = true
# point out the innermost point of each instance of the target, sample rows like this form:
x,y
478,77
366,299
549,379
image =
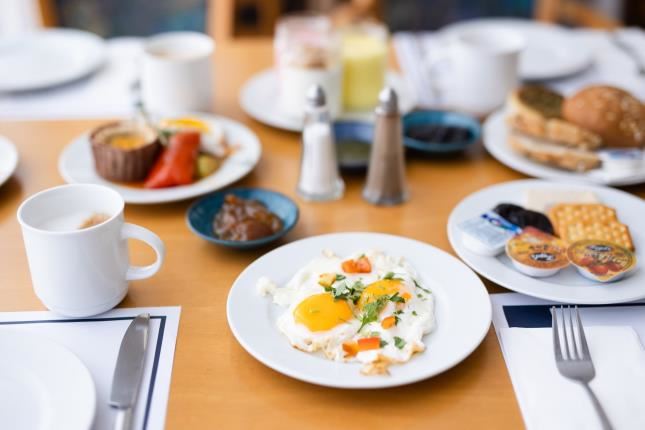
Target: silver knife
x,y
129,370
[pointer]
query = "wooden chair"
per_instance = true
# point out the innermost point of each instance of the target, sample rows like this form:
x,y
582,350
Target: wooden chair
x,y
573,12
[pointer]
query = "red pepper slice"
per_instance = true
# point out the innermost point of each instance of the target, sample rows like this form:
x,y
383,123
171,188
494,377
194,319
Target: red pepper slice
x,y
176,164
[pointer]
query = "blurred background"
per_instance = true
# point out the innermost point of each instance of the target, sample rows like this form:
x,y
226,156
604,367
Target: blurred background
x,y
236,18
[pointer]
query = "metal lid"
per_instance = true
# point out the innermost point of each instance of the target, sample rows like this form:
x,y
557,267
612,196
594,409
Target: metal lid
x,y
316,96
388,102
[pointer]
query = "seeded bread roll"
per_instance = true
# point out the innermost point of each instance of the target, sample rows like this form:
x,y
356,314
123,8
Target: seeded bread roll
x,y
537,111
613,114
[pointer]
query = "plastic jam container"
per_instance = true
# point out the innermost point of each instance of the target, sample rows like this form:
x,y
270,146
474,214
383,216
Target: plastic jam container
x,y
536,253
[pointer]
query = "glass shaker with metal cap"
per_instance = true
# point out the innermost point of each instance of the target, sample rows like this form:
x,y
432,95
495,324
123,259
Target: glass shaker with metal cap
x,y
386,183
319,176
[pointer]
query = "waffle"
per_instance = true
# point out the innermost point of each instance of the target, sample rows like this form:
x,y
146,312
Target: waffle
x,y
573,222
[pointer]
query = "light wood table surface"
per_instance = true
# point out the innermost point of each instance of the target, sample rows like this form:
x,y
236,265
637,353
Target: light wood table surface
x,y
215,383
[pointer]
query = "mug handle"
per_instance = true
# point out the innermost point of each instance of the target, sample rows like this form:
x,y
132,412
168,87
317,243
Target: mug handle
x,y
131,231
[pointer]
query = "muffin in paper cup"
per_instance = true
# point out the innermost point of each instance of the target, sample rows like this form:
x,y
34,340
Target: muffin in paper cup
x,y
124,151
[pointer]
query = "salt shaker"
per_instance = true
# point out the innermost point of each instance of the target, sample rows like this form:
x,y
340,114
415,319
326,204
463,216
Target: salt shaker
x,y
319,177
386,184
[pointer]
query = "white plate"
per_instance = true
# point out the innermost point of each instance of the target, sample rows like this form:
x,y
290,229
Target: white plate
x,y
495,138
8,159
76,165
47,58
551,51
259,99
43,385
463,311
566,286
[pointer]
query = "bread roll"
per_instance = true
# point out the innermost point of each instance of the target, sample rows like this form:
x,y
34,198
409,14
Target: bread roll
x,y
615,115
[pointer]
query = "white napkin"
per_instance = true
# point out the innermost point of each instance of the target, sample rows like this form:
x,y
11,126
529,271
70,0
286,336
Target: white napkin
x,y
550,401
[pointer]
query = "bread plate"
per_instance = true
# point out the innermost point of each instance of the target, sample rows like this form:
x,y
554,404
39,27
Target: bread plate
x,y
567,285
462,312
495,138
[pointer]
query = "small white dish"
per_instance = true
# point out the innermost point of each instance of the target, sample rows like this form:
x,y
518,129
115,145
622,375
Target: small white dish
x,y
76,165
8,159
43,385
551,51
495,139
47,58
462,309
259,99
566,286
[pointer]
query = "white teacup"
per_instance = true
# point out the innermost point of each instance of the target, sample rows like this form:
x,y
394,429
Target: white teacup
x,y
177,73
483,68
81,272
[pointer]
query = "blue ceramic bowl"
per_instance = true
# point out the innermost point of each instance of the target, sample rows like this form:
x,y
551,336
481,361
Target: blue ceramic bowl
x,y
200,215
427,117
354,139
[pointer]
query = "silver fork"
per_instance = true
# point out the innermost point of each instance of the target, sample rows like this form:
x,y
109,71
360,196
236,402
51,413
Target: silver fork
x,y
574,361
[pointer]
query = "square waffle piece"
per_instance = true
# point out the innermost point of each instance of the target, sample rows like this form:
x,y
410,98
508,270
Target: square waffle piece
x,y
573,222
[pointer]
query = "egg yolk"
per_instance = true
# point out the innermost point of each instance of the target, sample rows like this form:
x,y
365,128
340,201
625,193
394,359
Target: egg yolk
x,y
321,312
379,288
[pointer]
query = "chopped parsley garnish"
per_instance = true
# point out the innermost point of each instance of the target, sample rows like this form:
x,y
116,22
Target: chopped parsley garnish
x,y
396,319
392,276
371,311
398,342
396,298
414,313
344,291
425,290
399,312
382,343
340,277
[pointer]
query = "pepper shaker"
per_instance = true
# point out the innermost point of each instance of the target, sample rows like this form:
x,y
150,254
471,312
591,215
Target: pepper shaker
x,y
319,176
386,183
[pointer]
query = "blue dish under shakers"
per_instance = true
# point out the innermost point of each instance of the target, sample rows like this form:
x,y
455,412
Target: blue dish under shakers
x,y
439,131
201,215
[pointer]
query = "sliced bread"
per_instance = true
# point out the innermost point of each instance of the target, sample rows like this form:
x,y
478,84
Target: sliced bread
x,y
552,154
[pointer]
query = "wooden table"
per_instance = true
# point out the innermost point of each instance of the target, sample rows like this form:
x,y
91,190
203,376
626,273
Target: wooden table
x,y
215,383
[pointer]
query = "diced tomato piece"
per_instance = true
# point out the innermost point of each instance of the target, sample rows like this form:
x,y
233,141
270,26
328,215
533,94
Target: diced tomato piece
x,y
350,348
406,296
367,343
362,265
388,322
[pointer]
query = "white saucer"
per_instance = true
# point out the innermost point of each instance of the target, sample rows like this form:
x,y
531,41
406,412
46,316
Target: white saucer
x,y
43,385
8,159
495,139
259,99
566,286
76,165
463,311
551,51
47,58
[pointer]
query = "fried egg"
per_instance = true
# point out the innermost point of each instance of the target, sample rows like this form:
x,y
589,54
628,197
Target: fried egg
x,y
367,307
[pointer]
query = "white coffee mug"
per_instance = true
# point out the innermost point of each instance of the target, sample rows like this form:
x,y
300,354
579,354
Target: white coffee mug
x,y
483,67
82,271
177,73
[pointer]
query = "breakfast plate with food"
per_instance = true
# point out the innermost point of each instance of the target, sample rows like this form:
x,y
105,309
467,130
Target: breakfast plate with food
x,y
164,160
571,243
8,159
596,135
260,99
358,310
